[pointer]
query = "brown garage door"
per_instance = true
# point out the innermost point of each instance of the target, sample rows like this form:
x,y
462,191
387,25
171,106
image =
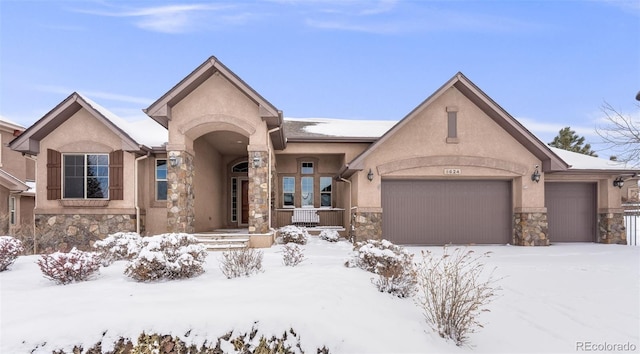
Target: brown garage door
x,y
571,211
423,212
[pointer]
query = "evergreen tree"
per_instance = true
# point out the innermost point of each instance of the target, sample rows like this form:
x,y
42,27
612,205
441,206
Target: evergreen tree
x,y
567,139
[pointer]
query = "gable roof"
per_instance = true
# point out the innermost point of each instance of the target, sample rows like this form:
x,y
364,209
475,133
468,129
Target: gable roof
x,y
550,160
160,110
29,141
12,183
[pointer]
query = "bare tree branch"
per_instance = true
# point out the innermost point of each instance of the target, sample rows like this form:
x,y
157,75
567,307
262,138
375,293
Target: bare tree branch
x,y
621,134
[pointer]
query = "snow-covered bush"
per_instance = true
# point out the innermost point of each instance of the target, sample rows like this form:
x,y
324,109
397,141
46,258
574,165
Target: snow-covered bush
x,y
121,245
452,292
167,256
67,267
329,235
10,249
234,341
292,254
295,234
242,262
392,263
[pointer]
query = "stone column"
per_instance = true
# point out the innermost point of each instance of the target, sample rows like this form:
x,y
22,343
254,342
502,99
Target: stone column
x,y
180,193
258,192
366,224
611,228
530,229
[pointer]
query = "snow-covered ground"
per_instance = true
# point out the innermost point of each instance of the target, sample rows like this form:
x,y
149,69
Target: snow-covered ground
x,y
553,298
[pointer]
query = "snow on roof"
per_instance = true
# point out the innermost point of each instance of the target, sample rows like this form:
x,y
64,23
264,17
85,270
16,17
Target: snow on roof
x,y
146,131
578,161
6,121
352,128
330,127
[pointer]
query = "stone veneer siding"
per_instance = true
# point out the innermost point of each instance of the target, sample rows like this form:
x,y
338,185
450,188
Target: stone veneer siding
x,y
611,228
366,225
63,232
180,194
259,193
530,229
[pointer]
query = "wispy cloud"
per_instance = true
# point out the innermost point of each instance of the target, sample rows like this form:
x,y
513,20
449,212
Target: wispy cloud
x,y
96,94
394,17
542,129
168,18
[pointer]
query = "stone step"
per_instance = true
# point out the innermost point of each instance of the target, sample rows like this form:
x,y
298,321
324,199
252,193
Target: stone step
x,y
219,241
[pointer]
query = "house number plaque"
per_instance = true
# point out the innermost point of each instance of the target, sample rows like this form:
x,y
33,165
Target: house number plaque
x,y
451,171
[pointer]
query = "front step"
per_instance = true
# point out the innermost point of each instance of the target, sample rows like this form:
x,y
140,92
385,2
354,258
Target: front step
x,y
223,241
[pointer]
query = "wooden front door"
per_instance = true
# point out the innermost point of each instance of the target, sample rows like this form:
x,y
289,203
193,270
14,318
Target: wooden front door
x,y
244,215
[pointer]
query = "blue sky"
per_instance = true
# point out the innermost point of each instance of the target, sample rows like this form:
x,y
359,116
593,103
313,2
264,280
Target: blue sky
x,y
548,63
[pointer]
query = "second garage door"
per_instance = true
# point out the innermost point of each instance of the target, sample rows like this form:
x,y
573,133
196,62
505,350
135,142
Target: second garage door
x,y
571,211
426,212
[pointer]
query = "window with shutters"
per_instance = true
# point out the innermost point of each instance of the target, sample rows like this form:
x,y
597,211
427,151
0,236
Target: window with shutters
x,y
85,176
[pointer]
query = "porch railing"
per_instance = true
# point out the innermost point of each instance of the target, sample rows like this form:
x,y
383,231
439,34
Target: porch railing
x,y
631,223
310,217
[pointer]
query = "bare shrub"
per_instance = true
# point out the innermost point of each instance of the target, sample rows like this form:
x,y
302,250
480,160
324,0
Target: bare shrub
x,y
392,263
242,262
293,234
233,341
329,235
67,267
167,256
10,249
292,255
452,292
118,246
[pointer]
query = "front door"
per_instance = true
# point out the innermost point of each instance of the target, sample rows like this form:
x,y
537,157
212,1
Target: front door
x,y
244,215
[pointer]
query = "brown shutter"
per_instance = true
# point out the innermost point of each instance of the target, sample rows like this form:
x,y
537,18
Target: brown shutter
x,y
116,175
54,175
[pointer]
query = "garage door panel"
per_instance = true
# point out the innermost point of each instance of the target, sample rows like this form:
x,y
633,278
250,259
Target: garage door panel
x,y
571,211
441,212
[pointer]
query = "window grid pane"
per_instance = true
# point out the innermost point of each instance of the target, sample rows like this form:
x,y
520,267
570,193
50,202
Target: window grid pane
x,y
325,191
86,176
307,191
307,168
161,179
288,191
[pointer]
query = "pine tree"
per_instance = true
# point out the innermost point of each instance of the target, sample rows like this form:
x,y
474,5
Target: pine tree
x,y
567,139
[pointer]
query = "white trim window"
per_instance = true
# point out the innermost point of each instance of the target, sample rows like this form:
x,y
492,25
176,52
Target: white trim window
x,y
86,176
306,185
12,210
288,192
161,179
325,191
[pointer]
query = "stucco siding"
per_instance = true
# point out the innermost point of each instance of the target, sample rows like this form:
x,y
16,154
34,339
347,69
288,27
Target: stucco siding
x,y
419,149
208,181
82,133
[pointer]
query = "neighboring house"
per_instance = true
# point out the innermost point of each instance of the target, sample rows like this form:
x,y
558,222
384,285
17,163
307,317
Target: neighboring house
x,y
456,169
17,182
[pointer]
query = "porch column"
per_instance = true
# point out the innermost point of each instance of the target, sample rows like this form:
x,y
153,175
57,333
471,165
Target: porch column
x,y
611,227
258,189
180,193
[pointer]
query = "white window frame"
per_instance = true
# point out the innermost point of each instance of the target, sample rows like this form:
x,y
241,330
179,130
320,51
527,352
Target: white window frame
x,y
310,195
330,193
293,193
12,210
84,197
155,170
310,165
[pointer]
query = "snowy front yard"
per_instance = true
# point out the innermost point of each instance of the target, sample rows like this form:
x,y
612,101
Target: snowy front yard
x,y
553,299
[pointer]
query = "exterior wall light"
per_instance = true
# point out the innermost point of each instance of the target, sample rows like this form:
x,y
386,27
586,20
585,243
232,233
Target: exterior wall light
x,y
175,161
618,182
257,161
535,176
370,175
